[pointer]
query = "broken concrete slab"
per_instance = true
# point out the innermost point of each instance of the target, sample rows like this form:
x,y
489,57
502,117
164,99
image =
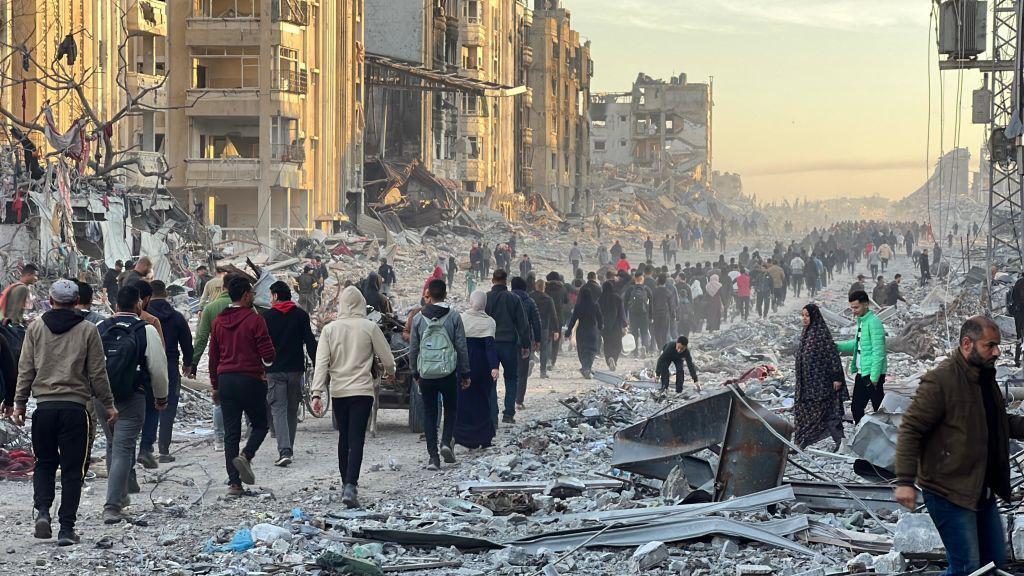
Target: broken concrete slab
x,y
648,556
917,537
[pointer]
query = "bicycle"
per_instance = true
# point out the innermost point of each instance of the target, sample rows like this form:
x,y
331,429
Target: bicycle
x,y
307,395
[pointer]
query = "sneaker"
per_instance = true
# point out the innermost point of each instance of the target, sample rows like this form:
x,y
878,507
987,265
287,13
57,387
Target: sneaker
x,y
147,459
218,445
166,459
448,454
434,463
133,485
67,537
508,419
235,491
283,461
113,515
350,496
43,529
244,467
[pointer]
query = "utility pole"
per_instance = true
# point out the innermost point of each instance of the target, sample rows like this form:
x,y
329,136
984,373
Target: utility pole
x,y
959,27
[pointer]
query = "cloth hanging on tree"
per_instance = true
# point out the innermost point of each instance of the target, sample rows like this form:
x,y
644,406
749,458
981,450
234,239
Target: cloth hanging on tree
x,y
71,142
67,47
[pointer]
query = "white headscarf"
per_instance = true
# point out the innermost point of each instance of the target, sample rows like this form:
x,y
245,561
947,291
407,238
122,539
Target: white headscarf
x,y
475,320
713,285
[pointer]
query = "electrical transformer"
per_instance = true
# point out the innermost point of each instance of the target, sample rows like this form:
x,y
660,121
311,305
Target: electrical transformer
x,y
963,27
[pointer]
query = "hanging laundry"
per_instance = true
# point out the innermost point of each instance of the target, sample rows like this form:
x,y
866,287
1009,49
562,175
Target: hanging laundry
x,y
26,60
31,153
67,47
71,142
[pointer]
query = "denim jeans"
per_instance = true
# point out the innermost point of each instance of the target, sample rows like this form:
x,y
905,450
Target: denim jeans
x,y
972,539
508,357
131,414
162,419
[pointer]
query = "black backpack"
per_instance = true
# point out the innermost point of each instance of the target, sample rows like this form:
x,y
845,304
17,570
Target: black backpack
x,y
637,301
126,354
15,335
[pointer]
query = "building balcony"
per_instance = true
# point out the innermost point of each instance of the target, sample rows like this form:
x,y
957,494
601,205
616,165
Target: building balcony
x,y
148,162
223,172
240,31
472,32
291,11
474,73
223,102
152,88
472,169
527,55
471,124
146,18
291,153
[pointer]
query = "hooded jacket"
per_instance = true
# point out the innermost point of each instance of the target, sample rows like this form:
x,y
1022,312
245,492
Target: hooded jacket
x,y
240,344
347,348
560,298
871,360
62,360
210,313
290,330
532,313
177,334
452,323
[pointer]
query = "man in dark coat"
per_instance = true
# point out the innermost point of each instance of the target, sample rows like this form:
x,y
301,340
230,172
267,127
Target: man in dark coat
x,y
511,338
560,296
533,316
675,353
550,329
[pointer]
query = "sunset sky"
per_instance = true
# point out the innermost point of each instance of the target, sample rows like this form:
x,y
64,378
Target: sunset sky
x,y
815,98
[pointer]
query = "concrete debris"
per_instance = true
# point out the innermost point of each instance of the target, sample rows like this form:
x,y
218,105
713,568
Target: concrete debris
x,y
917,537
889,563
648,556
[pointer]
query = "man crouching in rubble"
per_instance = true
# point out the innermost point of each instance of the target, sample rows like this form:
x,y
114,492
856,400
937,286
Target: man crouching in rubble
x,y
953,444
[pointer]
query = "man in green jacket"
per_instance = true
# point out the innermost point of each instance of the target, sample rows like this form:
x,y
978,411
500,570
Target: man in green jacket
x,y
210,312
868,351
954,445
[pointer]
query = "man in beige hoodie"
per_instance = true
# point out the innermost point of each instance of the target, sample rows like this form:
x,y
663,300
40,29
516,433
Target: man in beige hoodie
x,y
346,353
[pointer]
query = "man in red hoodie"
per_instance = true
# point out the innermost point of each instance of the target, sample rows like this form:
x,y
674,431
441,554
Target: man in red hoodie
x,y
240,351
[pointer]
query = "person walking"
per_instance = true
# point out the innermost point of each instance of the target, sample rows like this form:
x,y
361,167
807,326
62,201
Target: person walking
x,y
439,358
453,268
924,263
869,363
387,275
344,370
202,338
575,256
136,363
878,293
663,312
555,288
290,331
525,266
588,332
533,317
954,444
638,301
550,328
62,366
675,353
874,262
648,250
892,291
177,337
743,293
139,272
511,338
110,285
17,298
306,286
613,317
796,274
474,424
240,351
764,292
713,303
820,383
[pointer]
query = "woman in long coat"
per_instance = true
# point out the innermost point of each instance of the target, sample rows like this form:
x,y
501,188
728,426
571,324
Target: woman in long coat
x,y
477,411
820,383
614,317
713,303
588,332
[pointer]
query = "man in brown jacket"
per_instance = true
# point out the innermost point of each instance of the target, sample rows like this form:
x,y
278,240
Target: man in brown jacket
x,y
63,366
953,444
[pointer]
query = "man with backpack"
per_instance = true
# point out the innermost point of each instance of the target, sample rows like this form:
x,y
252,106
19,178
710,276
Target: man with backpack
x,y
290,330
177,336
137,368
62,366
440,360
511,337
639,301
240,351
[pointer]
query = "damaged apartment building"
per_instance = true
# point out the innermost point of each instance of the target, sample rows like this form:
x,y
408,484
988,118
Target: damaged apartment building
x,y
443,87
83,170
266,119
664,126
487,97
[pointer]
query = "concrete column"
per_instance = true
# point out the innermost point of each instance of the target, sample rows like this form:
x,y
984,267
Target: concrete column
x,y
149,131
264,210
